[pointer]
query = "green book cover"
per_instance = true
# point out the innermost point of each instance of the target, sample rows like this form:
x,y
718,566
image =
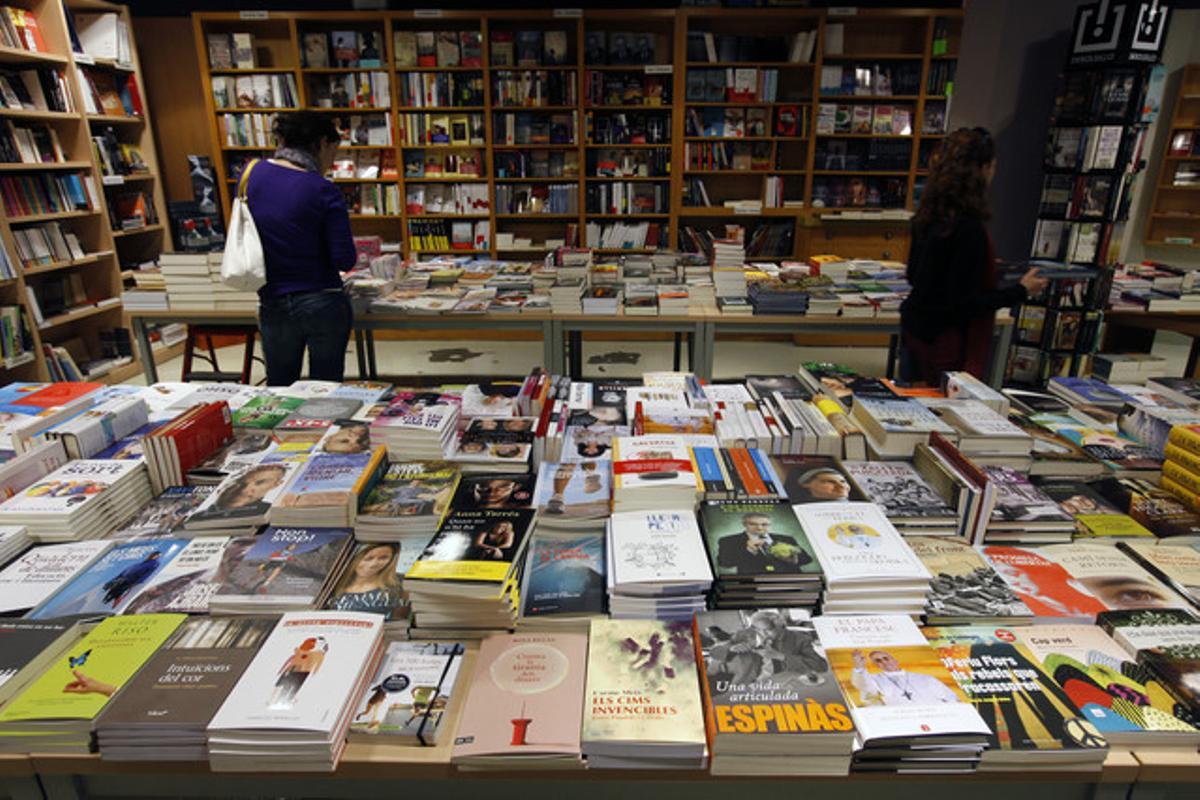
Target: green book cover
x,y
266,411
79,684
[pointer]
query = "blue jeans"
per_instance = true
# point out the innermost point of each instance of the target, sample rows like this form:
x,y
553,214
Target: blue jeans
x,y
319,321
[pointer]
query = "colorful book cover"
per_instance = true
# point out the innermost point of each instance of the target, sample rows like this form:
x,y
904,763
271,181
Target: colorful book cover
x,y
370,581
756,538
319,413
111,583
590,442
330,479
1042,584
564,576
412,489
964,584
474,546
266,411
652,462
526,698
572,491
1095,515
1112,577
283,564
245,496
187,584
1023,707
642,685
411,689
81,682
70,487
166,513
42,570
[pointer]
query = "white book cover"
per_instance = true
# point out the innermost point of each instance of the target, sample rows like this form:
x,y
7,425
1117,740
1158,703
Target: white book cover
x,y
304,675
903,415
36,575
657,547
489,401
75,485
977,417
164,396
436,419
1136,638
654,399
894,682
727,393
309,389
235,394
652,461
855,543
1114,578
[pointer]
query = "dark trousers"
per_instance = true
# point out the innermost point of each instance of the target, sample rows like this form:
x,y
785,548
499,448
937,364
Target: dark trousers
x,y
319,321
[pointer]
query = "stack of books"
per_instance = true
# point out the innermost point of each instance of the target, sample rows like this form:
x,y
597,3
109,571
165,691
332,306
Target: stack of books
x,y
242,501
86,499
409,500
760,555
432,670
326,489
659,569
908,500
185,442
653,472
1023,513
965,588
869,568
30,647
573,496
281,569
566,295
290,710
767,665
414,435
14,540
39,573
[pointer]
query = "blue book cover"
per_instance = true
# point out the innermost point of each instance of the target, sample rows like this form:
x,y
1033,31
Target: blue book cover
x,y
110,584
13,392
710,469
766,471
130,447
564,575
1093,391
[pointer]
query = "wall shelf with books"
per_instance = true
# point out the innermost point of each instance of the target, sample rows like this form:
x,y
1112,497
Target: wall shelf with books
x,y
1172,222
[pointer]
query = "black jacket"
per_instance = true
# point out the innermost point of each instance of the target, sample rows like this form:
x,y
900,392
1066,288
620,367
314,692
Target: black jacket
x,y
948,276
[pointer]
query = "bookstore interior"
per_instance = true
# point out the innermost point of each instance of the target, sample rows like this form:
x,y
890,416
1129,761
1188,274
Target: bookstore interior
x,y
978,565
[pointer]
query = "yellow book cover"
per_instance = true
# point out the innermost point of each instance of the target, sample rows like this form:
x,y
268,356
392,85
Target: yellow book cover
x,y
477,546
1111,526
1184,458
1182,493
80,684
1186,437
1185,478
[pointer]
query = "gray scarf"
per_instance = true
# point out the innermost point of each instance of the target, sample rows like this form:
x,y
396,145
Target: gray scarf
x,y
301,158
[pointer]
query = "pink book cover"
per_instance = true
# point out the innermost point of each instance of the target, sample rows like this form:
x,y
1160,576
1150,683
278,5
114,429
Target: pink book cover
x,y
526,697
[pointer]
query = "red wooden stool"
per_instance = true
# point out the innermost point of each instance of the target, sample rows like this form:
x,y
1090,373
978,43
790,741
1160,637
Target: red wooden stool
x,y
205,333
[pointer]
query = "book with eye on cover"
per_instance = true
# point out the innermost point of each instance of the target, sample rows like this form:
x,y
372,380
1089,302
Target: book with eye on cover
x,y
1033,722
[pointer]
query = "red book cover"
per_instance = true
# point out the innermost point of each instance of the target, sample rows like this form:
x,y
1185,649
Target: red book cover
x,y
135,97
57,394
746,468
211,428
1043,585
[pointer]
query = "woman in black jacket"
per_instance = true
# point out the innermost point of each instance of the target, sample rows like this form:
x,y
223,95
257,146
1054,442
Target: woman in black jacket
x,y
947,319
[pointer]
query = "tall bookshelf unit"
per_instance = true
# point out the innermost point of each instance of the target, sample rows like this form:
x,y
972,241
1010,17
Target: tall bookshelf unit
x,y
97,272
608,141
1173,219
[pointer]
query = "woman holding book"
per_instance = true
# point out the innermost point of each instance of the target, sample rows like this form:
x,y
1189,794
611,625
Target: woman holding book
x,y
305,231
946,321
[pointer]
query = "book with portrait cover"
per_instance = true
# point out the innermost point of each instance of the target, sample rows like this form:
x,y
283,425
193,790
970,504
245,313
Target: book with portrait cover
x,y
1112,577
494,492
897,688
965,587
475,547
1126,702
283,568
110,583
525,704
1043,584
169,703
410,693
563,579
56,710
855,543
1032,721
814,479
734,529
642,698
371,580
768,688
243,499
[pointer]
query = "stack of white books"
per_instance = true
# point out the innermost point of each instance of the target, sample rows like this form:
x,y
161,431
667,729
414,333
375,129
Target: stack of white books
x,y
81,500
87,434
658,568
653,472
869,568
14,540
189,287
424,436
292,707
566,295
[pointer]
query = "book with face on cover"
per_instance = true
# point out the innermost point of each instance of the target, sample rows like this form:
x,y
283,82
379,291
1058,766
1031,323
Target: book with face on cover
x,y
1115,579
475,547
525,704
895,684
109,584
370,580
245,497
757,539
39,573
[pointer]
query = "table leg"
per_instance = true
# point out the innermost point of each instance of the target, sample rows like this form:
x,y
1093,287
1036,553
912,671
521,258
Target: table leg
x,y
675,359
145,351
360,353
706,348
549,354
1193,358
576,345
372,371
893,351
691,344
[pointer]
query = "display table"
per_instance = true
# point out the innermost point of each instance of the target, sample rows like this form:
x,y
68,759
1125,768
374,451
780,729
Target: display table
x,y
1183,322
562,333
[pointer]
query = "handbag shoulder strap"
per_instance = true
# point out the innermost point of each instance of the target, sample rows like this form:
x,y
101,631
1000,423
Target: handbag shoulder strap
x,y
241,190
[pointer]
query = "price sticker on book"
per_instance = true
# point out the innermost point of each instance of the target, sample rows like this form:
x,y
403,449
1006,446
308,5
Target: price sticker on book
x,y
427,13
568,13
660,69
254,14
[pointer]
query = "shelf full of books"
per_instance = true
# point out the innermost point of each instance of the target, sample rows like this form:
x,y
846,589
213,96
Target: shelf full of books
x,y
814,573
1173,220
741,103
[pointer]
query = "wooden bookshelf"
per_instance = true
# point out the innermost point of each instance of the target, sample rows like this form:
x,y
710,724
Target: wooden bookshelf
x,y
904,38
1172,221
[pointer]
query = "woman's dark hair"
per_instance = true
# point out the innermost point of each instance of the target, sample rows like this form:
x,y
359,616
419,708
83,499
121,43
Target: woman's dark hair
x,y
305,130
956,187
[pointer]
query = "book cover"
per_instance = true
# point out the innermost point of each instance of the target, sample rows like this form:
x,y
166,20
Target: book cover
x,y
245,496
490,399
187,584
319,413
411,689
572,490
69,488
766,673
412,489
657,548
370,581
526,698
266,411
303,676
855,542
651,462
1095,515
1018,500
476,546
80,683
642,686
1112,577
757,538
564,576
330,479
814,479
494,492
167,512
37,574
287,565
964,584
112,581
1022,706
1042,584
21,642
898,488
1177,566
894,682
185,682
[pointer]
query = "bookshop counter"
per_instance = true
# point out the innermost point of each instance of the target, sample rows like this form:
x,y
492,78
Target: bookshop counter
x,y
561,333
1182,322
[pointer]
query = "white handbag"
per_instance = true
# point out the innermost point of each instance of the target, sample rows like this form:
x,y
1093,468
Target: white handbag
x,y
243,266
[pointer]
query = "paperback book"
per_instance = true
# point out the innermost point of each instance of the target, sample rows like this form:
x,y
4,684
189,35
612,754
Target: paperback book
x,y
410,693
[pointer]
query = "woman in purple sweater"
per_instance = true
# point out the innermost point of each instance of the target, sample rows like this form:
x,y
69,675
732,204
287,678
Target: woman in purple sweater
x,y
305,231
